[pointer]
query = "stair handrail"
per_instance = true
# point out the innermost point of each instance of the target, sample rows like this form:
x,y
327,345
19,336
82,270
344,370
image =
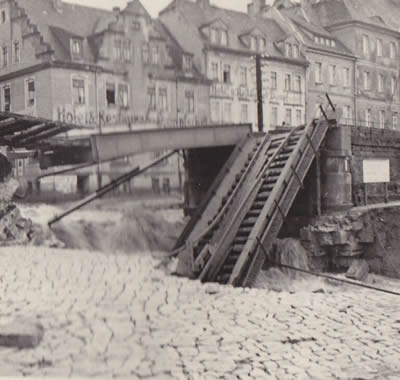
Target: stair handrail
x,y
251,189
219,215
313,125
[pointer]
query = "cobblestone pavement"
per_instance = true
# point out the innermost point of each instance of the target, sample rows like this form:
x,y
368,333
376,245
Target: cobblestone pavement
x,y
118,316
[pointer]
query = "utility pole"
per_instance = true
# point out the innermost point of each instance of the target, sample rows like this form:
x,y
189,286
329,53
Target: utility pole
x,y
260,117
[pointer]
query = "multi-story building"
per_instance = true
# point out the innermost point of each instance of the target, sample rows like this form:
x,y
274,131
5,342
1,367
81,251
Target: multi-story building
x,y
369,31
90,66
224,44
105,69
332,64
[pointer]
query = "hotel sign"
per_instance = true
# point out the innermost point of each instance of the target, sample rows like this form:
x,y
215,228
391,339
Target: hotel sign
x,y
376,171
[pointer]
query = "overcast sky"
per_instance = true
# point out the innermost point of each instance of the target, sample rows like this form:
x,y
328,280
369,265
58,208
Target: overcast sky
x,y
154,6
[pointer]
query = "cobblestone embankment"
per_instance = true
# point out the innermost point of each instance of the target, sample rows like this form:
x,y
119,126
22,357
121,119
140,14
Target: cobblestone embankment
x,y
117,316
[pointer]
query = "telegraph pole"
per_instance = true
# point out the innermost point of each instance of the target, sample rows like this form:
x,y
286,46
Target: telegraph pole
x,y
259,94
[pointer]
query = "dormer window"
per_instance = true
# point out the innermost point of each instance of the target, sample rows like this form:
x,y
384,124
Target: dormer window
x,y
219,36
136,25
253,43
213,36
288,50
187,62
224,38
76,48
262,43
296,51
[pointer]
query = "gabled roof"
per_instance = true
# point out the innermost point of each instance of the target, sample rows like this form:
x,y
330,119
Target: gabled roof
x,y
238,24
58,25
382,13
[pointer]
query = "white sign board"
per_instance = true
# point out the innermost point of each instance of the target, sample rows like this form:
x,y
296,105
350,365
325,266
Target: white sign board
x,y
376,171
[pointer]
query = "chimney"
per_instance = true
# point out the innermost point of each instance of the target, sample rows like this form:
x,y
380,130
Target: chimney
x,y
255,7
203,3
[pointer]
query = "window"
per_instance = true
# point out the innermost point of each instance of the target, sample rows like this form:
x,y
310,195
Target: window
x,y
288,50
380,83
214,71
127,50
228,112
224,38
215,111
110,94
145,53
123,95
318,72
346,77
3,18
151,95
366,80
136,25
7,98
393,86
30,93
189,101
297,83
5,56
243,76
332,75
274,117
155,55
214,36
274,80
379,47
187,62
78,91
299,118
347,115
365,44
244,113
288,82
392,50
76,48
296,52
17,56
368,118
253,43
381,119
118,50
227,74
262,44
288,116
162,99
395,120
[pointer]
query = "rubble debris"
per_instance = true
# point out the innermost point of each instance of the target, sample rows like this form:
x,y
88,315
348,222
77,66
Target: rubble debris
x,y
358,270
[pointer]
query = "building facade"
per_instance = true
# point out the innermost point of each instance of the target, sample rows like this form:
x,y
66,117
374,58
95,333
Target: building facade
x,y
371,36
106,70
224,44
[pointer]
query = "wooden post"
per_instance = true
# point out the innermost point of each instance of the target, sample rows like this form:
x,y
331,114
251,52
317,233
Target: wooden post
x,y
386,192
365,194
318,184
260,116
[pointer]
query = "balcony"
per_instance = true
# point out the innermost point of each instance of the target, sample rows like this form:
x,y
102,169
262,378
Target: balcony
x,y
222,90
293,98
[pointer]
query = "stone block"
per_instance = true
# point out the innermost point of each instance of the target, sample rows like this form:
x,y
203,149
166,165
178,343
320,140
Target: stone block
x,y
358,270
341,237
21,334
350,250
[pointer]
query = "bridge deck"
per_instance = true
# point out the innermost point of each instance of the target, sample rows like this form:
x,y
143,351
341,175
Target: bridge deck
x,y
113,145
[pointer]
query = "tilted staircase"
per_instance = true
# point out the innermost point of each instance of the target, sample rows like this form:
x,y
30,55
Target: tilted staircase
x,y
248,204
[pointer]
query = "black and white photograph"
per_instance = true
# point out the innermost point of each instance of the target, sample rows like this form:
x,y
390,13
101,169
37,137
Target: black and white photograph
x,y
200,189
